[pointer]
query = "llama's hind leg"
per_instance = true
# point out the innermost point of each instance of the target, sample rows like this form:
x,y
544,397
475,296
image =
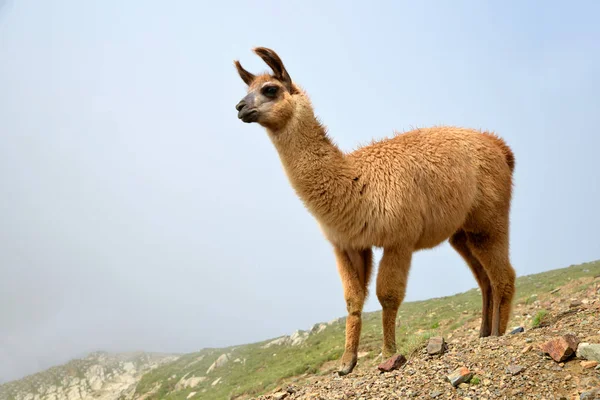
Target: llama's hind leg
x,y
491,249
391,288
459,243
354,267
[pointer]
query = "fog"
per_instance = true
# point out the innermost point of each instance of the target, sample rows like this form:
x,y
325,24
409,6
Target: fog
x,y
138,213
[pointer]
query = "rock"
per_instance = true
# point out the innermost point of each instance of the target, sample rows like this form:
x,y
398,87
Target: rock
x,y
515,369
589,364
191,382
589,351
435,394
222,360
189,396
277,342
216,382
526,349
318,328
436,345
290,389
575,303
298,338
362,354
519,329
459,375
280,395
593,394
555,291
561,348
392,363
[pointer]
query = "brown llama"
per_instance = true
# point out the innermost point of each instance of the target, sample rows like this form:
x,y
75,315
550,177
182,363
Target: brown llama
x,y
403,194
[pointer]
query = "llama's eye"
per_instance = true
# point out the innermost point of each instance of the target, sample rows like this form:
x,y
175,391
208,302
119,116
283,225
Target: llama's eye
x,y
270,91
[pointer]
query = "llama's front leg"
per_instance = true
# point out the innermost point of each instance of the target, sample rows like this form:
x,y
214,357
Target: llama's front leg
x,y
391,288
354,267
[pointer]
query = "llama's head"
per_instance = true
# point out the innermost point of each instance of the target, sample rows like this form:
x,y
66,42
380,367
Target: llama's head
x,y
271,98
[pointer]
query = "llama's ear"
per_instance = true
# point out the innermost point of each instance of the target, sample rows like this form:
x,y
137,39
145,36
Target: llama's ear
x,y
272,60
246,76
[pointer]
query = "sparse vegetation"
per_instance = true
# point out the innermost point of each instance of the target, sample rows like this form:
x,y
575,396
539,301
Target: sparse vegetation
x,y
539,318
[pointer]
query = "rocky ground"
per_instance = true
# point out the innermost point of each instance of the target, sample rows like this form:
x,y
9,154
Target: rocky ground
x,y
514,366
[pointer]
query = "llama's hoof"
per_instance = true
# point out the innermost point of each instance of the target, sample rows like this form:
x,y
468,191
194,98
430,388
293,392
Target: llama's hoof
x,y
348,364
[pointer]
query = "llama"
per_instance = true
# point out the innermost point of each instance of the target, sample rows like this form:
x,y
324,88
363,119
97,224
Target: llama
x,y
402,194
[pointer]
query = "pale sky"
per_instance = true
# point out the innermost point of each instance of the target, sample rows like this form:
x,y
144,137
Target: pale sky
x,y
138,213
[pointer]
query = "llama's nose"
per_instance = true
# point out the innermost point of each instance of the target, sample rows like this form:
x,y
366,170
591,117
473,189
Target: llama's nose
x,y
240,105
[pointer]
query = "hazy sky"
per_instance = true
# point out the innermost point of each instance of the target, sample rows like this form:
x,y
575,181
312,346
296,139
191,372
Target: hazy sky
x,y
138,212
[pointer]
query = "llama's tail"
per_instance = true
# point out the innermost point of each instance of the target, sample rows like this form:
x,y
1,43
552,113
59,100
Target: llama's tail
x,y
508,153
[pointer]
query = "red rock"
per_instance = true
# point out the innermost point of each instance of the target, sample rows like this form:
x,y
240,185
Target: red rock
x,y
561,348
392,363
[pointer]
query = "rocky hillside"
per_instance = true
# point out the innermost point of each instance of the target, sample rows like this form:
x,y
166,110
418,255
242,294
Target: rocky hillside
x,y
559,307
553,354
308,359
99,376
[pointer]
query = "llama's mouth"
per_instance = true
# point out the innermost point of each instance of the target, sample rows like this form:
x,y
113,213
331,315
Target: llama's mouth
x,y
248,115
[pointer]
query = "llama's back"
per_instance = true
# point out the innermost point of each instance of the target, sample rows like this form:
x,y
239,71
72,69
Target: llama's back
x,y
428,181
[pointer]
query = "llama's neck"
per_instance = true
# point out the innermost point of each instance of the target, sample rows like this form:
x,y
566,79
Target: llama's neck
x,y
318,170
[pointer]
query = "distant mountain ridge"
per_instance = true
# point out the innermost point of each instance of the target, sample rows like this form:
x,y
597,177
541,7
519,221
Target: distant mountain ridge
x,y
100,375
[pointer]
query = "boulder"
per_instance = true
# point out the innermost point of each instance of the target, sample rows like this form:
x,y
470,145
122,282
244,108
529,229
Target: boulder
x,y
219,362
561,348
589,351
298,338
277,342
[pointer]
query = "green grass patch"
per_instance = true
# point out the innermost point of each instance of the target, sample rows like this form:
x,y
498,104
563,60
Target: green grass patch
x,y
539,318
